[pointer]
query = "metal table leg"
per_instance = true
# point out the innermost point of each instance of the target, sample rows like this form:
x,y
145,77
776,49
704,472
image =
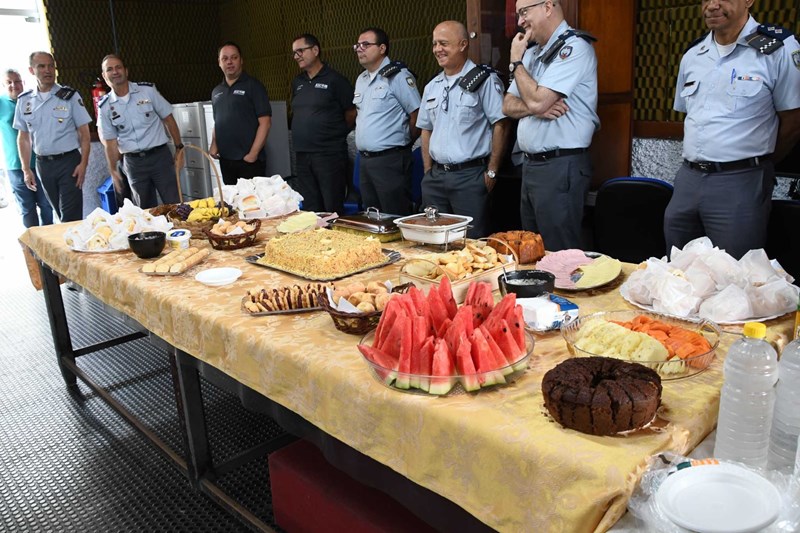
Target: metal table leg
x,y
58,323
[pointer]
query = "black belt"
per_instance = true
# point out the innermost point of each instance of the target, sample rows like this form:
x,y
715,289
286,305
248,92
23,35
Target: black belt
x,y
145,152
710,166
449,167
558,152
364,153
53,157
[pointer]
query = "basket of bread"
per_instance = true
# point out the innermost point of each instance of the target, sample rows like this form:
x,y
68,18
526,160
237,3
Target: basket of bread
x,y
356,308
227,235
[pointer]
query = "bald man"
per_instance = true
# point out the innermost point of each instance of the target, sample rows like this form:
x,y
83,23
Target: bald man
x,y
463,130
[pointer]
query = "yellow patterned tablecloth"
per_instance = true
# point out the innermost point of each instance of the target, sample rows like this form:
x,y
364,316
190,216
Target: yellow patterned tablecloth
x,y
494,453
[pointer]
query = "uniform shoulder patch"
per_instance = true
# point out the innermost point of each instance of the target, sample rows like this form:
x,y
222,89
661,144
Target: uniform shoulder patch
x,y
696,42
66,92
102,101
146,83
796,59
472,81
767,38
26,93
391,69
556,47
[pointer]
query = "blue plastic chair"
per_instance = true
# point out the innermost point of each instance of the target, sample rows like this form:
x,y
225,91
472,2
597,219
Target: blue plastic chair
x,y
629,218
417,171
352,208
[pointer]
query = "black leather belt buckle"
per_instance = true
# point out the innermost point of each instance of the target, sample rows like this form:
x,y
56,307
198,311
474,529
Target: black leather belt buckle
x,y
705,166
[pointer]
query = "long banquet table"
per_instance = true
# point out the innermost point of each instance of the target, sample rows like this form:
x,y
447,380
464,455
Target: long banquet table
x,y
494,453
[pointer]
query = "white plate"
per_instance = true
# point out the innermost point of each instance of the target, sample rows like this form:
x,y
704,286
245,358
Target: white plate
x,y
217,277
722,498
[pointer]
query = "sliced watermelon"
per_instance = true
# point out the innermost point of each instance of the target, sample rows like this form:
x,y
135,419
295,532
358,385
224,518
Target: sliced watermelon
x,y
497,354
501,310
465,366
443,328
485,360
438,310
418,336
446,294
388,364
462,324
425,362
479,296
442,369
385,323
505,340
404,324
393,338
517,324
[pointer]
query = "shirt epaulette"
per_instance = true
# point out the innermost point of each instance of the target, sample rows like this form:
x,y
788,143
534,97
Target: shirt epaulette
x,y
391,69
65,92
696,42
102,101
767,38
26,93
475,78
551,52
145,83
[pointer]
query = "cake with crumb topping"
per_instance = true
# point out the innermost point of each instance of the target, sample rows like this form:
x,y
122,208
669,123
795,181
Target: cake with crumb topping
x,y
322,253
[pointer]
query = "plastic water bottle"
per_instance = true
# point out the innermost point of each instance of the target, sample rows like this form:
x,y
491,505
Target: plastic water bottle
x,y
748,399
786,420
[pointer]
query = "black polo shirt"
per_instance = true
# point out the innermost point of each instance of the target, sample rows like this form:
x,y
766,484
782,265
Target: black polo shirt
x,y
236,111
318,107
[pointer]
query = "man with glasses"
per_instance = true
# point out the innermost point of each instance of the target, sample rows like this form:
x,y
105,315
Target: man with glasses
x,y
322,116
53,122
554,96
387,100
739,86
28,199
131,121
242,116
463,130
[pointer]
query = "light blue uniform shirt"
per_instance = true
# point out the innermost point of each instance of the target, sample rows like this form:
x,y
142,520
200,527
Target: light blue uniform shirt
x,y
52,123
573,74
136,125
463,131
731,102
384,105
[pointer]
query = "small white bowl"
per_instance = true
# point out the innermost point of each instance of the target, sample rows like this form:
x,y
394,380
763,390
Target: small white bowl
x,y
217,277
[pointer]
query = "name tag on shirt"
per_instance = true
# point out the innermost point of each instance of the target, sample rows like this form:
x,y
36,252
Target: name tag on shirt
x,y
239,92
321,86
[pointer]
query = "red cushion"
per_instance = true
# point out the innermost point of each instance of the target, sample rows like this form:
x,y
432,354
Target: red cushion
x,y
311,495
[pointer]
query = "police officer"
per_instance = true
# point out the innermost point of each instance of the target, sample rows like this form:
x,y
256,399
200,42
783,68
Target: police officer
x,y
242,117
322,116
131,122
53,122
463,130
739,86
387,100
559,67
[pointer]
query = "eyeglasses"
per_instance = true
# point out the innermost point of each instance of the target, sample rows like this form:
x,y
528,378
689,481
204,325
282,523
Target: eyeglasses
x,y
299,51
363,45
446,99
524,10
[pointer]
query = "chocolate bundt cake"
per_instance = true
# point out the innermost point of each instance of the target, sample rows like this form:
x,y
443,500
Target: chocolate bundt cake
x,y
601,395
527,245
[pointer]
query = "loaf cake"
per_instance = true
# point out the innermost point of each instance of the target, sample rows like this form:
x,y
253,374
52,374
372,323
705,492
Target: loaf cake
x,y
322,253
601,395
528,246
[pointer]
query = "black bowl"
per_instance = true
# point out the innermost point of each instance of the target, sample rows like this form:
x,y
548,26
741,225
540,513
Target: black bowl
x,y
527,283
148,243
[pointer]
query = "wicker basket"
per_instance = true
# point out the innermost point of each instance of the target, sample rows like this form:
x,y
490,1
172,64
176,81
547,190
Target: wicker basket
x,y
356,324
234,242
198,227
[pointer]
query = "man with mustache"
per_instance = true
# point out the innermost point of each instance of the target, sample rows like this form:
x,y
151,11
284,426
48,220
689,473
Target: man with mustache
x,y
739,86
131,122
53,123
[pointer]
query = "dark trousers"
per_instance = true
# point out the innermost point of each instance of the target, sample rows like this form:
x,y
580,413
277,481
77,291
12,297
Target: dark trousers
x,y
64,196
29,200
730,208
150,173
552,198
385,182
322,180
233,169
461,192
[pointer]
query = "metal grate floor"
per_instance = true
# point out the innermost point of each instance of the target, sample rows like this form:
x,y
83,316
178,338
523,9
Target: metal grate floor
x,y
70,463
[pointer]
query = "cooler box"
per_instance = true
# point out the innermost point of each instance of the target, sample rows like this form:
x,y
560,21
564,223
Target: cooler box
x,y
310,495
108,200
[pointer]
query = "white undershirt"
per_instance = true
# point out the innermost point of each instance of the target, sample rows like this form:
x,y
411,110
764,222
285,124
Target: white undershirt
x,y
724,49
124,99
44,96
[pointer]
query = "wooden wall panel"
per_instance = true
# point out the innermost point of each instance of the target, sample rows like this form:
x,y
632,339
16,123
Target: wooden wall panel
x,y
611,146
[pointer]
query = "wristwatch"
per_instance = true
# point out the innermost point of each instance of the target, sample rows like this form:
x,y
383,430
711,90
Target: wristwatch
x,y
492,174
179,146
513,66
